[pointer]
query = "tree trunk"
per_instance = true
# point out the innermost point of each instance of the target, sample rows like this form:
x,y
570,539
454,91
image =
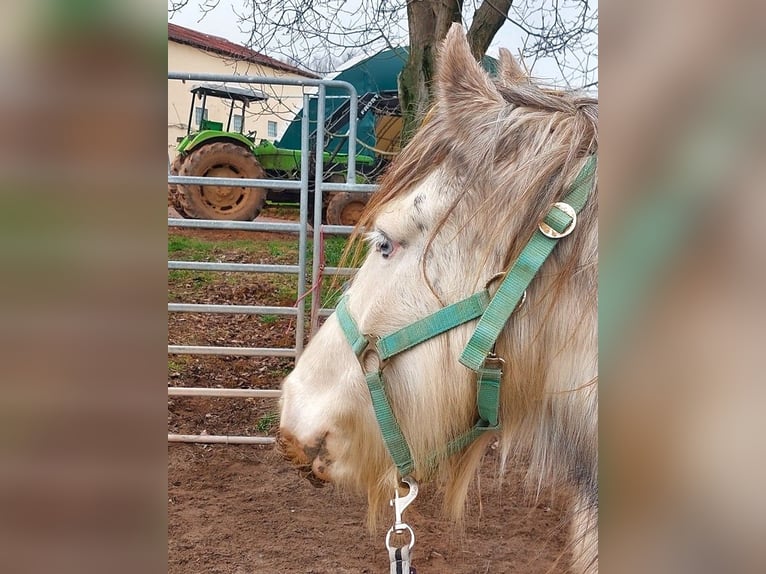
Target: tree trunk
x,y
487,20
429,21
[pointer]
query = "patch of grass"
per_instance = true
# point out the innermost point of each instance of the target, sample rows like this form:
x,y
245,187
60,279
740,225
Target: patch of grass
x,y
276,248
174,366
267,422
281,210
269,319
287,292
189,276
333,249
190,248
193,249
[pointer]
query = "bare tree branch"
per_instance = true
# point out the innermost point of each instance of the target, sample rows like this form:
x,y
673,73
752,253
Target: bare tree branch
x,y
318,35
487,21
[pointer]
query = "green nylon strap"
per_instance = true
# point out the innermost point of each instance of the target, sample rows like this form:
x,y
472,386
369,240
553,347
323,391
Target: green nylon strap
x,y
488,395
583,183
443,320
389,428
522,272
354,336
459,443
505,300
439,322
488,403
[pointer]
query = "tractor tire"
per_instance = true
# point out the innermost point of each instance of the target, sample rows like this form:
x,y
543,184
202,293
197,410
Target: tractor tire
x,y
221,159
173,199
345,208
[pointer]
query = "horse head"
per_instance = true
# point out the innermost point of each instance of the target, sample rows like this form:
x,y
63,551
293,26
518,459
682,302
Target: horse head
x,y
454,213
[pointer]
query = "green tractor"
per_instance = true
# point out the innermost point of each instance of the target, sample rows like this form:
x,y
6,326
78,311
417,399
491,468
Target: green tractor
x,y
213,151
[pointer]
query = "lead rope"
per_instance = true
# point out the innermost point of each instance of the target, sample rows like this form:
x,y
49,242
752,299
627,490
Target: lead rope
x,y
400,561
316,286
400,556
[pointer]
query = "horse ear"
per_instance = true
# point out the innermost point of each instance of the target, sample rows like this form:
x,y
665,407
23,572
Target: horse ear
x,y
463,88
510,69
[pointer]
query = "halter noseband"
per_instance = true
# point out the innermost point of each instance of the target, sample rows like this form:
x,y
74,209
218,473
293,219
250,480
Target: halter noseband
x,y
492,312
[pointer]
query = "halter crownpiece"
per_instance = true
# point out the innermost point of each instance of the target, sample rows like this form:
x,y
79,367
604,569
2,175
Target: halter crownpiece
x,y
492,312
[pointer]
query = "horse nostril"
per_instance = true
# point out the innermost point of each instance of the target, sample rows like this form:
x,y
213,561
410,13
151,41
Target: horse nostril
x,y
290,449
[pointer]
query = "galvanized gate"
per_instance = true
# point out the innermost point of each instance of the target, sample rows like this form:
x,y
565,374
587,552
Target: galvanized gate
x,y
305,292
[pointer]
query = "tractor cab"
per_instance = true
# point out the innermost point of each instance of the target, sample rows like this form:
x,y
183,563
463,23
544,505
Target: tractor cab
x,y
239,98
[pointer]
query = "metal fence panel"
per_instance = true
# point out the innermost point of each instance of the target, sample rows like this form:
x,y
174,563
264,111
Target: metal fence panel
x,y
301,228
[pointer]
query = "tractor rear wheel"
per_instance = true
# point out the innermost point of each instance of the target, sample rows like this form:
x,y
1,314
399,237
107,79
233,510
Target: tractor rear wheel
x,y
221,159
345,208
173,200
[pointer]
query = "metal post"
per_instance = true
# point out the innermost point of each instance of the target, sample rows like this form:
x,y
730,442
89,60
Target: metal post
x,y
191,115
231,113
352,119
302,234
316,296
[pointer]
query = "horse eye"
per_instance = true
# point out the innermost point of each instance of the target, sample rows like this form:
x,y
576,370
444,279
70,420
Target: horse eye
x,y
385,248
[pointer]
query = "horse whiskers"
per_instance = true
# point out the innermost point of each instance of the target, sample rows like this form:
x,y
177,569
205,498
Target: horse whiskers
x,y
308,473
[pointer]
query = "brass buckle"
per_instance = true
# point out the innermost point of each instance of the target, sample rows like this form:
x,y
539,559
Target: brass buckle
x,y
494,362
369,350
548,231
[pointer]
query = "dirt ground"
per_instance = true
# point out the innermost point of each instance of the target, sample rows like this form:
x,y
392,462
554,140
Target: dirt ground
x,y
242,509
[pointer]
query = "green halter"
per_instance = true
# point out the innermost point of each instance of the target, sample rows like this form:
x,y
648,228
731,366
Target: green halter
x,y
492,312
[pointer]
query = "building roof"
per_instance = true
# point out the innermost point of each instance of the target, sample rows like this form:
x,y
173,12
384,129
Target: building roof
x,y
224,47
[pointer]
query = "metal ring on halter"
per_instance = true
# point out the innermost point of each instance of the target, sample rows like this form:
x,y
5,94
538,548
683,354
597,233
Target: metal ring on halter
x,y
548,231
403,527
521,301
502,275
494,278
370,349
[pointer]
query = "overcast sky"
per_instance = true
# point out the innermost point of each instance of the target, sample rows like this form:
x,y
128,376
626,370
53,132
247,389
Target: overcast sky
x,y
223,22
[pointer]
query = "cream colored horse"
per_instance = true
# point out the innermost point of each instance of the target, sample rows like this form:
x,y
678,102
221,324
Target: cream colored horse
x,y
456,209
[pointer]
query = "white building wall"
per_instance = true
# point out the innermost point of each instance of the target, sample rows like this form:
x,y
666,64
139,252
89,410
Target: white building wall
x,y
283,103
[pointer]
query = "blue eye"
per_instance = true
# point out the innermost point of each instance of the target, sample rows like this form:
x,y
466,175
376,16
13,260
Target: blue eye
x,y
381,243
385,248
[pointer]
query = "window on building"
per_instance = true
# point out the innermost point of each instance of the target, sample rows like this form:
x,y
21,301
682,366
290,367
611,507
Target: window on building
x,y
236,123
272,129
198,115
